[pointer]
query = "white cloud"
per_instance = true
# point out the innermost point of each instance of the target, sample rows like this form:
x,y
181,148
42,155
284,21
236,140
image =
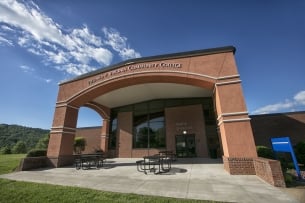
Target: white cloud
x,y
26,69
127,53
118,43
29,18
288,105
102,55
85,35
31,71
6,41
74,50
22,41
48,80
274,107
75,69
57,58
300,97
6,28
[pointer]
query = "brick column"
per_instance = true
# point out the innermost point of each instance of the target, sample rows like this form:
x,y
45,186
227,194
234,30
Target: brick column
x,y
124,139
60,149
235,128
105,135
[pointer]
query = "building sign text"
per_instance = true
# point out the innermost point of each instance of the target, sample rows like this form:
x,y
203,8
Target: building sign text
x,y
130,68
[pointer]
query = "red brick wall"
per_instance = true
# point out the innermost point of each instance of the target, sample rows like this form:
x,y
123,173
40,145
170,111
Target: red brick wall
x,y
137,153
29,163
278,125
92,136
239,166
270,171
189,118
124,141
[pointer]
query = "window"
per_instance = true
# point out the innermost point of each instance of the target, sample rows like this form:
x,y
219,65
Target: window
x,y
149,120
157,132
140,131
148,125
113,133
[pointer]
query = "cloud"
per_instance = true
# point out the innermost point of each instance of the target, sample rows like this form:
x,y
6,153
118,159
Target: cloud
x,y
31,71
288,105
75,50
300,97
118,43
4,41
26,69
48,80
4,27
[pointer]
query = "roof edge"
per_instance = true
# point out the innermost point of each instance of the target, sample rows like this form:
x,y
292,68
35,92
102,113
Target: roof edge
x,y
200,52
277,114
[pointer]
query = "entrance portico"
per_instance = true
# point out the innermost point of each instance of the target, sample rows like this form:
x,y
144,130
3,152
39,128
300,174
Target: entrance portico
x,y
182,91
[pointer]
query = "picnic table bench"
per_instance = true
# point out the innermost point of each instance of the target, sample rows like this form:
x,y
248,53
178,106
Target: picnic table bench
x,y
86,161
156,163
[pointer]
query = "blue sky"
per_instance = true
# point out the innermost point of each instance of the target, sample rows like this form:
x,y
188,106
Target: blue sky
x,y
45,42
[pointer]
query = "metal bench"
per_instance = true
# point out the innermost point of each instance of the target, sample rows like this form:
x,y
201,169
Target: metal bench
x,y
86,161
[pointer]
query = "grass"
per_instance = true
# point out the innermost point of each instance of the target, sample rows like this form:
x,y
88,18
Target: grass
x,y
9,162
18,191
13,191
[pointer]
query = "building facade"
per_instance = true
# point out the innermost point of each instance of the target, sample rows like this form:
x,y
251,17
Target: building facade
x,y
264,127
267,126
190,103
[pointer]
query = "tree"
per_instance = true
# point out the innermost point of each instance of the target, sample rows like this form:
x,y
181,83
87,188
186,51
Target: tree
x,y
265,152
19,148
300,152
79,145
5,150
11,134
43,143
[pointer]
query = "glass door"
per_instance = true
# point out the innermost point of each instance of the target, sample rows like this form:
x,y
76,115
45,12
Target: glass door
x,y
186,145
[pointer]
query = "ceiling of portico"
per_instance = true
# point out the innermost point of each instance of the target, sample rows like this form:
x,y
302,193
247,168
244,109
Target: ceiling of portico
x,y
149,91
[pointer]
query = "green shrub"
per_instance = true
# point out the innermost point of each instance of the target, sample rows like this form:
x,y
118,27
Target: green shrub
x,y
43,143
286,161
5,150
79,144
300,152
265,152
19,148
288,178
37,153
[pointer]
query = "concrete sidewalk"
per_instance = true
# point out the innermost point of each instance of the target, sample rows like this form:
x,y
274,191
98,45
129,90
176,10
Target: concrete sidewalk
x,y
198,178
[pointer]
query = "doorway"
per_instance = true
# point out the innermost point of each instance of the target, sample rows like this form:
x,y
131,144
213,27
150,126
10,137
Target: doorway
x,y
186,145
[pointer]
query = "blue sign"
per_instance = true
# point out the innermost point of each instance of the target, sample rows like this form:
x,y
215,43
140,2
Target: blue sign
x,y
283,144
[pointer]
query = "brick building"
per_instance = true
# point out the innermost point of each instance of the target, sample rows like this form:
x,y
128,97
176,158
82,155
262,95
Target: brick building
x,y
264,127
290,124
190,103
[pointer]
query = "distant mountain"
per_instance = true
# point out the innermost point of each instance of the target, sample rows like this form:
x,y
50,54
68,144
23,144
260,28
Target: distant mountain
x,y
11,134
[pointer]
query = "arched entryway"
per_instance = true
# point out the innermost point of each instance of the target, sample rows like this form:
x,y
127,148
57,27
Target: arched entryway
x,y
211,72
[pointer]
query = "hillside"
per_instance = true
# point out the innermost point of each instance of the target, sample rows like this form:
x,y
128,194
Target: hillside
x,y
11,134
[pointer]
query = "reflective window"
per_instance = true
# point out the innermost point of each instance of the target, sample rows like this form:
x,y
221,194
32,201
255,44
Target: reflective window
x,y
148,125
140,131
157,131
149,121
113,133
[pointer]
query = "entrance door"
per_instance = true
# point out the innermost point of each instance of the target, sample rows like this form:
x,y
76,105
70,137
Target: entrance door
x,y
185,145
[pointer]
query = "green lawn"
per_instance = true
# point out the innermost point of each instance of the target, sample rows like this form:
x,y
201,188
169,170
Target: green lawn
x,y
17,191
13,191
9,162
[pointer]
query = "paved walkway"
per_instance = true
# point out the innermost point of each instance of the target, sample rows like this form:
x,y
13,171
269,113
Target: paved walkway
x,y
189,178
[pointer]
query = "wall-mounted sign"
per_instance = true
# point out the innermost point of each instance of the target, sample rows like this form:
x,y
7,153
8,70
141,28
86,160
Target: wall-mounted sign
x,y
283,144
135,67
184,127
